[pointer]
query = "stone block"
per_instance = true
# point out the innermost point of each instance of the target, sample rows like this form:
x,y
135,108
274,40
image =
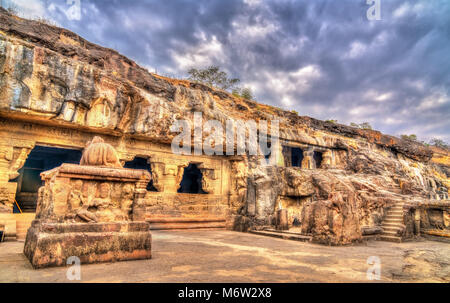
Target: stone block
x,y
51,244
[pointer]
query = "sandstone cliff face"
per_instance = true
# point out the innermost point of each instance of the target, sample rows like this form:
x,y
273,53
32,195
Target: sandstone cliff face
x,y
51,76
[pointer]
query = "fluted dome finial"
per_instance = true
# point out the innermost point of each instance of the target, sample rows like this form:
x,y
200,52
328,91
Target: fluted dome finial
x,y
99,153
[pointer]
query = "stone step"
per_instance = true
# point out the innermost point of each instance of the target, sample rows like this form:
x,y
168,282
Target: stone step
x,y
390,238
390,232
394,220
391,228
396,208
282,231
186,223
400,210
282,235
21,236
395,212
394,215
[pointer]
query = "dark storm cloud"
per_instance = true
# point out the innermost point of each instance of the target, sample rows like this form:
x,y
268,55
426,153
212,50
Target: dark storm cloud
x,y
321,58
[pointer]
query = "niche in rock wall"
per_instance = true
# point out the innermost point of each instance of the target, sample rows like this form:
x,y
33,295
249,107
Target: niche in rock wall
x,y
141,163
191,183
436,218
318,157
294,206
100,113
41,158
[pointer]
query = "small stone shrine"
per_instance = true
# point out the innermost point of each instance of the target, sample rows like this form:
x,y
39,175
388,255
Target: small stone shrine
x,y
93,211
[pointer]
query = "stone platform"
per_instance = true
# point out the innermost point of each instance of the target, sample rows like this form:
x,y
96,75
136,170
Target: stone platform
x,y
51,244
93,211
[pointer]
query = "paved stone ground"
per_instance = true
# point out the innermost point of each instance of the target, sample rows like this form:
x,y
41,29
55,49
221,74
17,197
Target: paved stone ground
x,y
226,256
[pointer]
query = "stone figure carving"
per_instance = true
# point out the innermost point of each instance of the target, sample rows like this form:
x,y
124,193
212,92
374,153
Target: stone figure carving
x,y
99,153
103,203
180,172
240,176
206,184
126,201
157,169
76,196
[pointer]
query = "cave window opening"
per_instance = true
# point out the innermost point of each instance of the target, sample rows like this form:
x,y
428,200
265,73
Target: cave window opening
x,y
296,157
40,159
191,183
141,163
318,158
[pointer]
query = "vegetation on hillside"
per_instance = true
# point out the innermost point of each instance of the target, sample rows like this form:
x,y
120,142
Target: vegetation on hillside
x,y
213,76
364,125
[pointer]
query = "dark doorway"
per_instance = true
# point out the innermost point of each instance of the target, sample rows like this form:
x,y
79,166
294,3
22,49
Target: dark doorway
x,y
41,158
141,163
297,157
318,158
192,180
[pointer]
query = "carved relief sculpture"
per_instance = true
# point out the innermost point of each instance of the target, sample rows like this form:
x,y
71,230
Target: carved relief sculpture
x,y
83,207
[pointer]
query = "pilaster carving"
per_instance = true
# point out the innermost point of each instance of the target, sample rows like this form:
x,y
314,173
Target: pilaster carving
x,y
19,157
308,160
239,180
209,175
157,173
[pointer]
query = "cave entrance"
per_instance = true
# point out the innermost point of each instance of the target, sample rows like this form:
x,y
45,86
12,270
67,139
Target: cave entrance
x,y
296,156
318,158
191,183
141,163
41,158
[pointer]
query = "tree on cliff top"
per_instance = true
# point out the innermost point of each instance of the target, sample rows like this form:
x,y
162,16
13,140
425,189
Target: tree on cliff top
x,y
212,76
439,143
364,125
245,93
411,137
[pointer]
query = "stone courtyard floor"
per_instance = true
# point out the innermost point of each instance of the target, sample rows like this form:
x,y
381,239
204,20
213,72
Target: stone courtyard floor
x,y
227,256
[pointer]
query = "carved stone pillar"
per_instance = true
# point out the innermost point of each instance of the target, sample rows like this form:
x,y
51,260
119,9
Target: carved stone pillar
x,y
239,181
308,160
167,173
327,159
125,157
209,176
417,221
157,172
12,159
139,209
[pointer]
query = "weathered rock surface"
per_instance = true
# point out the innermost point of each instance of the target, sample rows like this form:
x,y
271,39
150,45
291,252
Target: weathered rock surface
x,y
429,265
346,178
52,74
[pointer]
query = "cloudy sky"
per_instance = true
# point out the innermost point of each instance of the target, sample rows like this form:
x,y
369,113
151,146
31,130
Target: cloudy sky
x,y
324,59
